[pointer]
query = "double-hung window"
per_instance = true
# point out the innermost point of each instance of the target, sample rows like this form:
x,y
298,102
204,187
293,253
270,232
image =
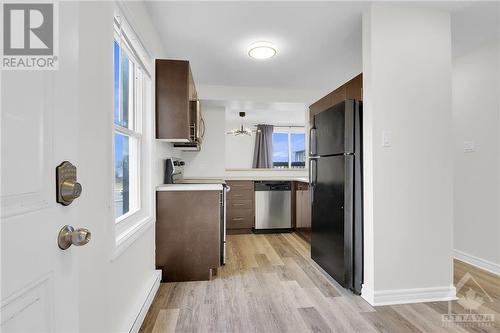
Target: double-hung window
x,y
127,131
132,122
289,147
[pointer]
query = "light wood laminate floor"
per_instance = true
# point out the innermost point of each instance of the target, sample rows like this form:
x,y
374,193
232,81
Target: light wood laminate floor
x,y
270,284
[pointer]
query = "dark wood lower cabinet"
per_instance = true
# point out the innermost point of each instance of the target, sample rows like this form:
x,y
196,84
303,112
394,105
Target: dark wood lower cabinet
x,y
240,207
187,234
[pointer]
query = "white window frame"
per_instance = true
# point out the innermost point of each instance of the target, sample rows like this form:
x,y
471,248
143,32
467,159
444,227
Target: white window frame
x,y
135,133
131,225
289,131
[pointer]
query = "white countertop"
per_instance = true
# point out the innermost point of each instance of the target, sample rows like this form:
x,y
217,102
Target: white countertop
x,y
203,181
189,187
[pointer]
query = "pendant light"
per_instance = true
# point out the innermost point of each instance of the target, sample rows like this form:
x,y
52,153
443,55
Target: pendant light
x,y
241,130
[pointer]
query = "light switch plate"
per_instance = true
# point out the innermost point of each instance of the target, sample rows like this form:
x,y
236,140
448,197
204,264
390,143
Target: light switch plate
x,y
469,147
386,139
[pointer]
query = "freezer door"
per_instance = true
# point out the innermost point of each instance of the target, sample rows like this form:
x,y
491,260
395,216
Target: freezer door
x,y
334,130
332,212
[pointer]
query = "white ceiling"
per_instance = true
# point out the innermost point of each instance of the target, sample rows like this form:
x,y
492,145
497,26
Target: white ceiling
x,y
473,25
316,42
319,43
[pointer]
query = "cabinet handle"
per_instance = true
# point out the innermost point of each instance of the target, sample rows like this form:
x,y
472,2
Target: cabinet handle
x,y
237,219
238,204
237,195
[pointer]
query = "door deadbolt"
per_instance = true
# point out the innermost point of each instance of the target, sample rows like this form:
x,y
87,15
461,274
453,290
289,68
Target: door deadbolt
x,y
68,189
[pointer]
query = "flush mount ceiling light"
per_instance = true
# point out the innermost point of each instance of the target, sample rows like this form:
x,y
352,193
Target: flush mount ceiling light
x,y
262,50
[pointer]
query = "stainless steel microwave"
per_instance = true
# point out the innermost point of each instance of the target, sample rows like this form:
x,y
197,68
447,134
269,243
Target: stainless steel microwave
x,y
196,128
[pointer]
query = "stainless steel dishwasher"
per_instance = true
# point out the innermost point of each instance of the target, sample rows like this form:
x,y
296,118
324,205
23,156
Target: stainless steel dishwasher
x,y
273,206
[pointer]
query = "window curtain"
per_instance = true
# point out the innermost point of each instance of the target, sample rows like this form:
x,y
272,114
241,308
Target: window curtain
x,y
263,152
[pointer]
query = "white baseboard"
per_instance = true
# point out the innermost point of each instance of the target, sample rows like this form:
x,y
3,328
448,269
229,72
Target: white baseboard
x,y
478,262
367,294
406,296
147,302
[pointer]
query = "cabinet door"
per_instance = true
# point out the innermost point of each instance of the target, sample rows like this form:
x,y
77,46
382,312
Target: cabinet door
x,y
173,90
187,236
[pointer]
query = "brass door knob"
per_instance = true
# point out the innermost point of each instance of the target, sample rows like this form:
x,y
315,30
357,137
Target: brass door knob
x,y
69,236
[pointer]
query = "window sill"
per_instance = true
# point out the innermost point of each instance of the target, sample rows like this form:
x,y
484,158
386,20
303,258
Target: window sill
x,y
125,216
128,236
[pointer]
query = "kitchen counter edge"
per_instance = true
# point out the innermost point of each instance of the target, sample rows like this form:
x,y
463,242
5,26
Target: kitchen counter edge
x,y
189,187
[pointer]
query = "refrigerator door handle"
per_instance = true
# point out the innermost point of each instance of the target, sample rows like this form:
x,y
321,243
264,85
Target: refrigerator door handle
x,y
312,141
311,194
310,172
313,175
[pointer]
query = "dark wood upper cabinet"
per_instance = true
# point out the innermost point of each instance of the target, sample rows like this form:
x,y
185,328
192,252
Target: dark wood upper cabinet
x,y
353,89
175,101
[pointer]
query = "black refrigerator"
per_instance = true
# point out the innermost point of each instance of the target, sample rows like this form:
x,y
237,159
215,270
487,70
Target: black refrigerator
x,y
336,180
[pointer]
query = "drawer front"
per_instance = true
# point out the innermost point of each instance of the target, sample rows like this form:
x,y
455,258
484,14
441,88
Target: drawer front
x,y
239,218
240,223
240,185
240,194
239,204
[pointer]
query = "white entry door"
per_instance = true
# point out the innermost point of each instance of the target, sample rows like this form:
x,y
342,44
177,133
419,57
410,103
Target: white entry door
x,y
39,281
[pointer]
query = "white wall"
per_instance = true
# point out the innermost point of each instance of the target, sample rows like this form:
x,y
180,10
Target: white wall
x,y
408,187
476,119
210,162
257,94
113,287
